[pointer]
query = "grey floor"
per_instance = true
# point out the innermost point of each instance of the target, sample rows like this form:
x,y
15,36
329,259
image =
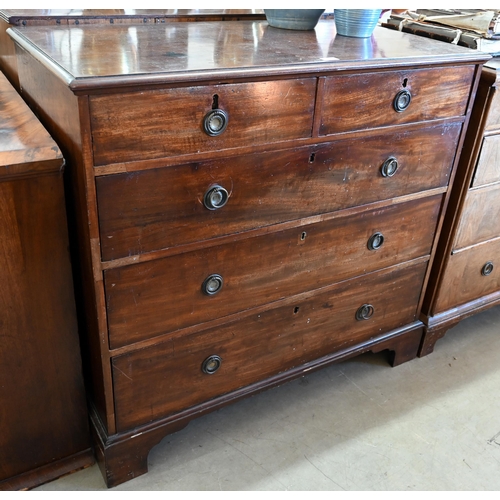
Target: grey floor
x,y
430,424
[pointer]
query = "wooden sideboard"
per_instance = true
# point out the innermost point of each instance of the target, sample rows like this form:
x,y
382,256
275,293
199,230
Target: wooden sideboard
x,y
252,204
77,17
466,274
43,415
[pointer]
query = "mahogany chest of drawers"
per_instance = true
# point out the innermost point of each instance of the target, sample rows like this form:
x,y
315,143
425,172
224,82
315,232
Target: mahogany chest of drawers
x,y
43,412
252,204
466,277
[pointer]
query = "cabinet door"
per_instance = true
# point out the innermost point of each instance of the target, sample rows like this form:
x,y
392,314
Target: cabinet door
x,y
43,411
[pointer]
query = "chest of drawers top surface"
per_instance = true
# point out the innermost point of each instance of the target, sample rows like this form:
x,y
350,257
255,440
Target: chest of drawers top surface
x,y
96,56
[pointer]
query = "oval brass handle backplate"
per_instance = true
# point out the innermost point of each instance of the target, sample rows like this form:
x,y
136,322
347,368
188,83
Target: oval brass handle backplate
x,y
375,241
215,122
215,197
487,268
402,100
211,364
389,167
365,312
212,284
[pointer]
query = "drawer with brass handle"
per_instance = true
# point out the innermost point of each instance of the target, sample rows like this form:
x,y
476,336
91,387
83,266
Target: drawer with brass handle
x,y
177,121
363,101
160,380
141,212
163,295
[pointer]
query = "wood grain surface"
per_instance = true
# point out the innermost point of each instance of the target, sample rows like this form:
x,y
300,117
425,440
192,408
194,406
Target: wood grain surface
x,y
154,124
145,211
355,102
151,298
156,382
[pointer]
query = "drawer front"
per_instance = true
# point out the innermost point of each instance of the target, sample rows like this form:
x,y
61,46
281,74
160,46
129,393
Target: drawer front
x,y
480,220
161,380
162,123
465,278
163,295
488,164
493,119
145,211
360,101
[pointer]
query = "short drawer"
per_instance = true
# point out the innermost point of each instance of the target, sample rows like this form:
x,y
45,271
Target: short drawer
x,y
156,297
480,220
470,274
145,211
169,122
167,378
361,101
488,164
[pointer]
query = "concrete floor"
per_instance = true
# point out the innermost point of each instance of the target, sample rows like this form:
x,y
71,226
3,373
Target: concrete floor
x,y
430,424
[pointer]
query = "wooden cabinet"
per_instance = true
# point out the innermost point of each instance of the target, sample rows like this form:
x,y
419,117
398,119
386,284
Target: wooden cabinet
x,y
466,274
245,219
43,412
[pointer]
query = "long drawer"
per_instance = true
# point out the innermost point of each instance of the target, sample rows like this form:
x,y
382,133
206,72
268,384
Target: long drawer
x,y
144,211
480,219
155,297
366,100
470,274
168,122
169,377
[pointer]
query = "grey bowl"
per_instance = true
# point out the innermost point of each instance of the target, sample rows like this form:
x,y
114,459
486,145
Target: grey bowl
x,y
293,19
358,23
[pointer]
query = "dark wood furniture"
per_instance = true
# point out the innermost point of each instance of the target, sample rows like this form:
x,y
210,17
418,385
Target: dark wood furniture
x,y
76,17
466,275
252,204
43,412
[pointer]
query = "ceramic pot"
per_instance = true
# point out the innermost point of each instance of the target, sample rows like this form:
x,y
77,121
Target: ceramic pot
x,y
358,23
293,19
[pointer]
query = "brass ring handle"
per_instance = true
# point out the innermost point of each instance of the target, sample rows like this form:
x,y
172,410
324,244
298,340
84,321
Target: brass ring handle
x,y
365,312
402,100
215,122
212,284
211,364
389,167
375,241
215,197
487,268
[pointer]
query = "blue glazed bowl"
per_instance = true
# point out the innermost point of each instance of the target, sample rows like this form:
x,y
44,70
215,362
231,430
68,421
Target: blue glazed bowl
x,y
293,19
357,23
